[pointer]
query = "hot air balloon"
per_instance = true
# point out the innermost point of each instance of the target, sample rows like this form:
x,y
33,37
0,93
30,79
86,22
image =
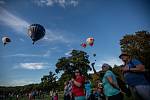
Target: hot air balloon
x,y
83,45
90,41
6,40
36,32
94,54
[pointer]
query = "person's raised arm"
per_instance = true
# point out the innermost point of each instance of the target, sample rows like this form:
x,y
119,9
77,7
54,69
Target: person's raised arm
x,y
138,68
76,83
94,69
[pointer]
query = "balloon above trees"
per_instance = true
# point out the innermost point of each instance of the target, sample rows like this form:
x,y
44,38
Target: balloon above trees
x,y
36,32
83,45
6,40
90,41
94,55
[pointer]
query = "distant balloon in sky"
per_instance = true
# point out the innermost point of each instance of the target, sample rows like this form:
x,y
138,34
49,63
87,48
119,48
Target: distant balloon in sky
x,y
36,32
94,55
90,41
83,45
6,40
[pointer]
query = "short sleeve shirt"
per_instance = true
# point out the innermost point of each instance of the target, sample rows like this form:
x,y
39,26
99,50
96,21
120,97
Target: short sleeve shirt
x,y
109,90
79,91
135,78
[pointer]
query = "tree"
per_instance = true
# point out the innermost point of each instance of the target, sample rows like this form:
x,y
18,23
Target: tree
x,y
64,78
49,81
77,60
138,46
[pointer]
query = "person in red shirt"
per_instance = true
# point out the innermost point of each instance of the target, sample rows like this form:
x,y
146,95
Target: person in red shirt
x,y
78,86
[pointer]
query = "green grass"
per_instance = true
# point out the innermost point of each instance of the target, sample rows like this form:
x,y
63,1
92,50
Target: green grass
x,y
60,97
46,97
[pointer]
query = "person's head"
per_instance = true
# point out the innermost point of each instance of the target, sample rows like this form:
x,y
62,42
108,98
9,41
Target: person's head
x,y
66,83
77,72
124,56
87,81
106,67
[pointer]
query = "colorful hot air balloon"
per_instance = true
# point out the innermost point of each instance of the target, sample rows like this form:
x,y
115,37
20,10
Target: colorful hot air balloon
x,y
36,32
90,41
6,40
83,45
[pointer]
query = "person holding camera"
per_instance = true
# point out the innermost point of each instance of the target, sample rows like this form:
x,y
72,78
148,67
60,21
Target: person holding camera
x,y
133,72
78,86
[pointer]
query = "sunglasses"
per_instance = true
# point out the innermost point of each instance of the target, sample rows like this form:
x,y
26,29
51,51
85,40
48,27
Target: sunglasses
x,y
103,66
76,72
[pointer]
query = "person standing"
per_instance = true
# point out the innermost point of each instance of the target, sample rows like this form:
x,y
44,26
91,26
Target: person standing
x,y
78,86
67,90
133,72
110,85
87,86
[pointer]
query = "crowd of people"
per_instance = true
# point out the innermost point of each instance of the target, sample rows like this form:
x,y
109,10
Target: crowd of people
x,y
80,87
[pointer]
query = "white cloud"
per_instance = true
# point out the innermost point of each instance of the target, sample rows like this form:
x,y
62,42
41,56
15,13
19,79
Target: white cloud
x,y
24,55
13,21
2,2
33,65
47,54
62,3
19,82
22,40
20,26
55,36
68,53
110,60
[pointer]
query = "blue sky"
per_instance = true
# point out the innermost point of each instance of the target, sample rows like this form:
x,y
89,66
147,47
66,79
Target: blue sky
x,y
68,23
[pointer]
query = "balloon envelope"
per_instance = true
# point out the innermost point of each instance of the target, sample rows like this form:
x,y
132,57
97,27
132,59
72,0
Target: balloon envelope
x,y
6,40
83,45
94,54
36,32
90,41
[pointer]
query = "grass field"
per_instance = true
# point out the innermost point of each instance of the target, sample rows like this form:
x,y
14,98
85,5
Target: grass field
x,y
47,97
44,97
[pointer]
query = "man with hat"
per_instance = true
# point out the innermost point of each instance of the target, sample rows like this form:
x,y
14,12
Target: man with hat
x,y
133,71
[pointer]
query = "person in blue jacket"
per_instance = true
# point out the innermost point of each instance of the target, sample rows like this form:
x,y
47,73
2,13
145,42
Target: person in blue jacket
x,y
133,72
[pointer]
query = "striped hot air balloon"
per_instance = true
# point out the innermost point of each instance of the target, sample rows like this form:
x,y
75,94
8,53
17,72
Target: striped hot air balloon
x,y
36,32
